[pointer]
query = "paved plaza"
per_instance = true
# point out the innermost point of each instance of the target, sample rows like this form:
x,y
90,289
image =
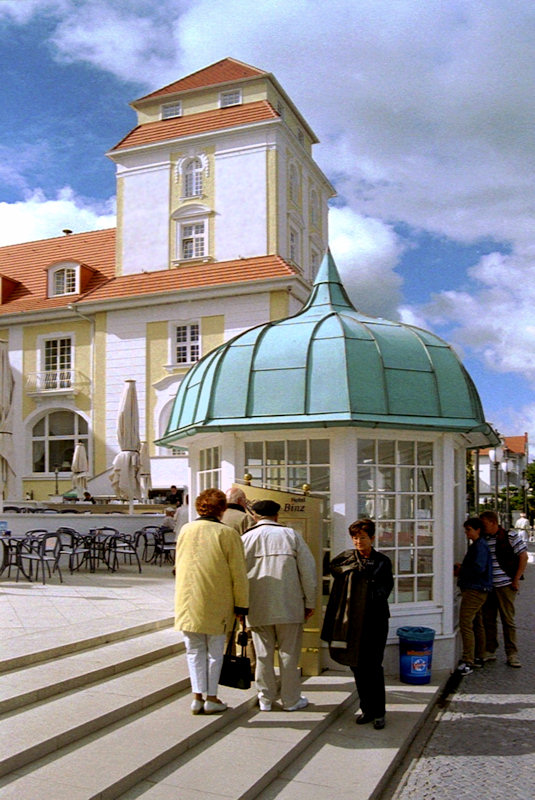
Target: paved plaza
x,y
483,742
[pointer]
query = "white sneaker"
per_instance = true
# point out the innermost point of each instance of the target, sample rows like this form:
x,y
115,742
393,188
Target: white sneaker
x,y
265,705
301,703
214,708
197,706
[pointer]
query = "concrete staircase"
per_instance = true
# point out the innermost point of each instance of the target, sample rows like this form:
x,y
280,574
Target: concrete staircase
x,y
108,716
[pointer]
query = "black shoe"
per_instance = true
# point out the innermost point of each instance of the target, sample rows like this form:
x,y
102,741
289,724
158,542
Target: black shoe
x,y
465,668
363,719
478,663
379,723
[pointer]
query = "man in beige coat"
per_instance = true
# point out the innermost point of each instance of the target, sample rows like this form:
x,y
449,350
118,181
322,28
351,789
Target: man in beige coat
x,y
282,595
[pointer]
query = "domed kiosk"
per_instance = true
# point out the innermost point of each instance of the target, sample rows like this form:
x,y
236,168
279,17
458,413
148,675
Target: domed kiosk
x,y
373,415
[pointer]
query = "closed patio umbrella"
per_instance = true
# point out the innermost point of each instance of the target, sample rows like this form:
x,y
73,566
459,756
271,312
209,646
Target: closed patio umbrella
x,y
79,469
125,469
6,439
144,471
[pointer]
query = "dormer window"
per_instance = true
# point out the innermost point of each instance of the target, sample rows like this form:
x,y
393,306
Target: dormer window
x,y
232,97
170,110
64,279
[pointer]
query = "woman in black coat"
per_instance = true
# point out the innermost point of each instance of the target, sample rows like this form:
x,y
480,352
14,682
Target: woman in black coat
x,y
356,620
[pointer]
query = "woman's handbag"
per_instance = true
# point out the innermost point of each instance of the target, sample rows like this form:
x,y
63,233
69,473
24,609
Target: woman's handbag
x,y
236,670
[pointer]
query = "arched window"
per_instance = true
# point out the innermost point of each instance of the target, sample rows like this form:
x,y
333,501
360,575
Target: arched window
x,y
193,178
293,182
54,438
64,279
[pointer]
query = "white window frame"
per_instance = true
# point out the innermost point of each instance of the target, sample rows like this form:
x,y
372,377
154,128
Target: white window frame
x,y
171,110
294,183
48,439
192,342
315,215
62,376
400,494
194,214
70,274
192,178
294,245
209,472
192,234
315,261
230,97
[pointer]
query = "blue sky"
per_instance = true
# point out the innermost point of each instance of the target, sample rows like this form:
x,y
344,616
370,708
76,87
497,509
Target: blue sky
x,y
424,111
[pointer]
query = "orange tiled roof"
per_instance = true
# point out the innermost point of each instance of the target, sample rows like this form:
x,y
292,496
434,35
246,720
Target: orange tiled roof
x,y
515,444
175,128
228,69
194,276
27,263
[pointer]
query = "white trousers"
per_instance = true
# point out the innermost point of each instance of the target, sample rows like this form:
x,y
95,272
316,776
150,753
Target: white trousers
x,y
288,636
204,655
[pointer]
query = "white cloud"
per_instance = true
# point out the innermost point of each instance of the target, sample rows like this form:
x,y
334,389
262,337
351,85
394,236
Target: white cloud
x,y
425,109
495,321
40,217
425,112
366,252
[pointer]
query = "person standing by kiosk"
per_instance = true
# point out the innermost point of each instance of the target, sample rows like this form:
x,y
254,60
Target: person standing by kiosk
x,y
356,619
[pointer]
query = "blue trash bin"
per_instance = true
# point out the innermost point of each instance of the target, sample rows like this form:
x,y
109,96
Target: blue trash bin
x,y
415,654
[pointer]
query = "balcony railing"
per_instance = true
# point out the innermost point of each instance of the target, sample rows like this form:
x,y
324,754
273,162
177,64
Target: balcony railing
x,y
61,381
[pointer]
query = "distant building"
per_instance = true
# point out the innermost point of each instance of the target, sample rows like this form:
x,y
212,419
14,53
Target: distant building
x,y
221,225
508,469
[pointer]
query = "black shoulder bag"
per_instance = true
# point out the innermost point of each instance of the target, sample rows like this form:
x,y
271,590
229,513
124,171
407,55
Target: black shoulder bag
x,y
236,670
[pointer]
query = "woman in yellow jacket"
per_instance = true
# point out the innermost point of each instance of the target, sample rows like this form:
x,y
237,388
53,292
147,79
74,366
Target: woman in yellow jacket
x,y
211,589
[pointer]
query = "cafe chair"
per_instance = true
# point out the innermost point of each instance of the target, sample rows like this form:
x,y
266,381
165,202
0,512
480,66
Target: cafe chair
x,y
73,545
43,550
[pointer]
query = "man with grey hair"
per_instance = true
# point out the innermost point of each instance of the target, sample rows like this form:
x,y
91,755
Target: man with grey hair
x,y
237,514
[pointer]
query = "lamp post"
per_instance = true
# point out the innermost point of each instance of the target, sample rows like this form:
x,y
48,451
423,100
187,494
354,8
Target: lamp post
x,y
495,457
56,470
506,467
525,485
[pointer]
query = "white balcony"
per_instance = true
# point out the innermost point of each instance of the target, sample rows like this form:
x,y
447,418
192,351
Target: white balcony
x,y
64,382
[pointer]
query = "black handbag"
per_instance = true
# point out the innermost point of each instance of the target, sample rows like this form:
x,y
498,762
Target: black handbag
x,y
236,670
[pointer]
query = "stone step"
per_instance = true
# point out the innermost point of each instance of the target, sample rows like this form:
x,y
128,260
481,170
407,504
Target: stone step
x,y
42,680
22,651
109,762
255,748
48,726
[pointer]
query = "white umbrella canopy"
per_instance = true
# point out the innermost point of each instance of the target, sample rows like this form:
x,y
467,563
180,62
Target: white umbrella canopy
x,y
79,469
7,384
144,471
125,469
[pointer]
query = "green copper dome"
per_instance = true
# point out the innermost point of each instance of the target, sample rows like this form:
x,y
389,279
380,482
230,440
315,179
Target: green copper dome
x,y
329,365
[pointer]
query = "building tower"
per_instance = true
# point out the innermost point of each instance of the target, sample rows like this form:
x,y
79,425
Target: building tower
x,y
219,168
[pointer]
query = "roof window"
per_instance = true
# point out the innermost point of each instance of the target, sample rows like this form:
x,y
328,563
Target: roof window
x,y
170,110
231,97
